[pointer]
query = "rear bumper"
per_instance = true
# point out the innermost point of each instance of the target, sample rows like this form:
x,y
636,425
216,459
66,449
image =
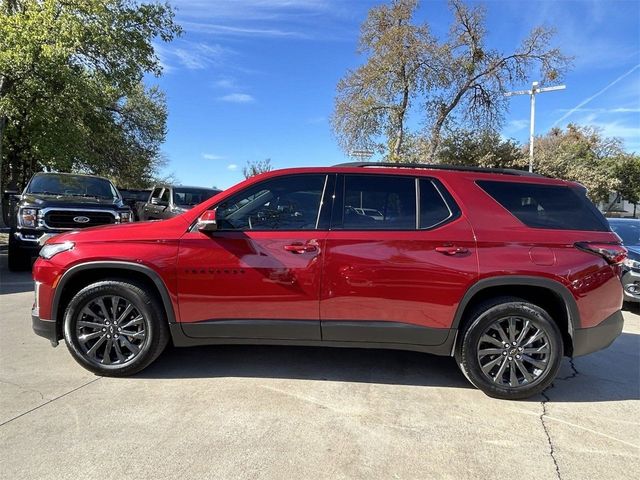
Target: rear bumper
x,y
45,328
589,340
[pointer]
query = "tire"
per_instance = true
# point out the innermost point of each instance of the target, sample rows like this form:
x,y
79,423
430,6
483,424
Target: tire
x,y
134,338
19,260
521,370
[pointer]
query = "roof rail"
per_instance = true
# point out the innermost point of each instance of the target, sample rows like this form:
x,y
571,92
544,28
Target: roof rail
x,y
458,168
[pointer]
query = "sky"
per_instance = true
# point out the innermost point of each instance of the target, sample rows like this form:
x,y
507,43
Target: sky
x,y
256,79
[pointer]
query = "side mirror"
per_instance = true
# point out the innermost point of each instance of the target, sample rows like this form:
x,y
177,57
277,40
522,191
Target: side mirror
x,y
11,194
207,222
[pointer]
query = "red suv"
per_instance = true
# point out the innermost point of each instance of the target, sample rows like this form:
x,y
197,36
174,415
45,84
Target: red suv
x,y
505,271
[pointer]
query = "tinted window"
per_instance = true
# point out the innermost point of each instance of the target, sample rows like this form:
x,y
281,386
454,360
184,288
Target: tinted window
x,y
165,196
156,192
286,203
547,206
376,202
72,185
191,196
436,205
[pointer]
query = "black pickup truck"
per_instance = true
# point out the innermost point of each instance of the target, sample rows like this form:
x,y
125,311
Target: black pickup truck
x,y
58,202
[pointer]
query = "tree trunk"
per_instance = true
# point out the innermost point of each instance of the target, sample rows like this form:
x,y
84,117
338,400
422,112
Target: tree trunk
x,y
402,111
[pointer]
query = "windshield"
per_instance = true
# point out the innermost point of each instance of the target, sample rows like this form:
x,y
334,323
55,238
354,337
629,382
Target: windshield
x,y
72,185
192,196
628,230
139,195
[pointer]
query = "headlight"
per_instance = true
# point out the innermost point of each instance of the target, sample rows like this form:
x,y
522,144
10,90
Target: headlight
x,y
29,217
631,263
125,217
52,249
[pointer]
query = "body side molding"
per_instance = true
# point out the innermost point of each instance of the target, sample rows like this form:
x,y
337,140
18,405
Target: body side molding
x,y
114,265
518,280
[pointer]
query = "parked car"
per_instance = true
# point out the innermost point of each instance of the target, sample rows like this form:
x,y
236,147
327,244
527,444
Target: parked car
x,y
134,198
169,201
504,270
629,231
59,202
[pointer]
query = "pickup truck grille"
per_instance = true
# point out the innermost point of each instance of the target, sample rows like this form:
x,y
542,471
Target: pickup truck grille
x,y
73,219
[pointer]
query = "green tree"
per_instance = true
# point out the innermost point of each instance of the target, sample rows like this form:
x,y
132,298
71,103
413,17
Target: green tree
x,y
581,154
253,168
71,94
445,82
485,148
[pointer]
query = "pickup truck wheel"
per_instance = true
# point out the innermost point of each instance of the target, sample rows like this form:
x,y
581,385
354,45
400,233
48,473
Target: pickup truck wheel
x,y
19,260
512,349
115,328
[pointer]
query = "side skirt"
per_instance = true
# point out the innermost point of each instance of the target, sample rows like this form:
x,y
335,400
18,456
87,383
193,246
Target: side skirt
x,y
391,335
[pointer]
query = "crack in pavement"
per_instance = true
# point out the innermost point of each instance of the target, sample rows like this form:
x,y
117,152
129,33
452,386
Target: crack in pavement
x,y
546,430
552,451
23,388
49,401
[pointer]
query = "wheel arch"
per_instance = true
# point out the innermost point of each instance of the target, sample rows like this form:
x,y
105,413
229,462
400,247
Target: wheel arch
x,y
83,274
546,293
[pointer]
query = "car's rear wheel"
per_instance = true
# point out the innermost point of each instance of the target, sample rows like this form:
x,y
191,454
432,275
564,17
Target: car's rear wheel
x,y
511,349
115,328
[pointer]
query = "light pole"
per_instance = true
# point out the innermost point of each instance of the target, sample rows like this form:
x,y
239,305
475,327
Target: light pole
x,y
535,89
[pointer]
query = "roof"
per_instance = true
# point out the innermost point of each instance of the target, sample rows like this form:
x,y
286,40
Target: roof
x,y
458,168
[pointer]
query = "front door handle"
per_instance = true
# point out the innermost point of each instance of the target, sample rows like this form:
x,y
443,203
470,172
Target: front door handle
x,y
452,250
300,248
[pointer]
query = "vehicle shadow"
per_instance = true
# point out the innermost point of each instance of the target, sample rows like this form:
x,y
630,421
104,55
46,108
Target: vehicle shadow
x,y
13,282
610,375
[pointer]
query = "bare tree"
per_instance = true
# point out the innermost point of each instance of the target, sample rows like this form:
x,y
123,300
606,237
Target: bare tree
x,y
253,168
374,99
455,80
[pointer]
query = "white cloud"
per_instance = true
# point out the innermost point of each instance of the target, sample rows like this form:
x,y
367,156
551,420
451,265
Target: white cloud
x,y
237,98
212,156
190,55
225,83
517,125
228,30
596,95
232,167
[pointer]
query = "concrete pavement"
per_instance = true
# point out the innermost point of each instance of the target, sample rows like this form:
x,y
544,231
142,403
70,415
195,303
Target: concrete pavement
x,y
283,412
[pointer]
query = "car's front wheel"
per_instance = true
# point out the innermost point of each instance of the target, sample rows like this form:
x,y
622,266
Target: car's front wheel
x,y
115,328
511,349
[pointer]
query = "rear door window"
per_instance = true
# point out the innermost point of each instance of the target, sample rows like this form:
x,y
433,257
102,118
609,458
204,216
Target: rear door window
x,y
378,202
156,193
547,206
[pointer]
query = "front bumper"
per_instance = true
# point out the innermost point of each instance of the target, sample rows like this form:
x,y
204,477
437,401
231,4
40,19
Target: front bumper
x,y
631,286
45,328
589,340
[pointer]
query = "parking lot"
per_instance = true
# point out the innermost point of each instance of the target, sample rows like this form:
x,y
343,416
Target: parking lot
x,y
284,412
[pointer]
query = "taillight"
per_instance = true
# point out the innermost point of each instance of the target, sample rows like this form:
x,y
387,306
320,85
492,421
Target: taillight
x,y
613,253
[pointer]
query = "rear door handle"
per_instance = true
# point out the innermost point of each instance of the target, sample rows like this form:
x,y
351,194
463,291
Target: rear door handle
x,y
452,250
300,248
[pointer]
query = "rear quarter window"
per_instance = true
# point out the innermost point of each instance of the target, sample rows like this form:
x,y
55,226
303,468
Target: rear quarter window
x,y
547,206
